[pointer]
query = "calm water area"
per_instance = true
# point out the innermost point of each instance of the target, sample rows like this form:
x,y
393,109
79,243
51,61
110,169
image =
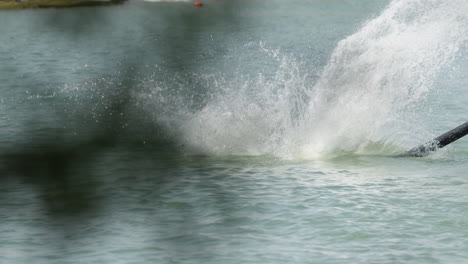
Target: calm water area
x,y
239,132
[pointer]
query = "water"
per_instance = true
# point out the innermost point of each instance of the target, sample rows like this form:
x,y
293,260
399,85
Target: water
x,y
240,132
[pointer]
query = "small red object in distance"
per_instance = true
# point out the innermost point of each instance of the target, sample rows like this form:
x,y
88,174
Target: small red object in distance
x,y
198,3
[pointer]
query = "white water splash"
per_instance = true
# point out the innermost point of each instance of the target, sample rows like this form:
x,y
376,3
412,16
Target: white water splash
x,y
376,74
363,97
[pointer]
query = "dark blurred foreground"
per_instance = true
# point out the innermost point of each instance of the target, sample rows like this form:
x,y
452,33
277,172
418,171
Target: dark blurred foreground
x,y
67,165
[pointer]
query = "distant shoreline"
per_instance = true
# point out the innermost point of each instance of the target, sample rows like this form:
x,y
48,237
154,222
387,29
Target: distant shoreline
x,y
28,4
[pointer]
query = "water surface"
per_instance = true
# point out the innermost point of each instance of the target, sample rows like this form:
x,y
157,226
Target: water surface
x,y
240,132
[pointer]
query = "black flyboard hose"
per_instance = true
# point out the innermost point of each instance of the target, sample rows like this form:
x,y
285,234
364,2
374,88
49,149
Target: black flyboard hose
x,y
438,142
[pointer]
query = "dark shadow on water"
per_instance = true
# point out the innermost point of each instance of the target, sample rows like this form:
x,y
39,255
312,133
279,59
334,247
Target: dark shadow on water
x,y
74,168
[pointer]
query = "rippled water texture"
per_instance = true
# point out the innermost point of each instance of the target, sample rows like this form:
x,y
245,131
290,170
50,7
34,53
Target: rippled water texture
x,y
239,132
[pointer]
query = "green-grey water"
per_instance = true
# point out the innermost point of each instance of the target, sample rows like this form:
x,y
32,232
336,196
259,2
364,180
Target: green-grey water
x,y
239,132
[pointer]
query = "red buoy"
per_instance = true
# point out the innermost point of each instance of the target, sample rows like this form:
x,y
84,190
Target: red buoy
x,y
198,3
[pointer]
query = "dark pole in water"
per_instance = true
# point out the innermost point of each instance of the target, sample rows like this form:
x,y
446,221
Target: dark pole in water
x,y
438,142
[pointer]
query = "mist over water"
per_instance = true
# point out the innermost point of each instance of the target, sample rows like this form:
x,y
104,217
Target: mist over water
x,y
369,98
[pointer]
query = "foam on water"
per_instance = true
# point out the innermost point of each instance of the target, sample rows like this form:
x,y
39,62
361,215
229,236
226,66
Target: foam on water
x,y
364,101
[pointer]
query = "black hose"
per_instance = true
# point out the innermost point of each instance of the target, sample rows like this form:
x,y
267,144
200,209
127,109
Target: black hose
x,y
438,142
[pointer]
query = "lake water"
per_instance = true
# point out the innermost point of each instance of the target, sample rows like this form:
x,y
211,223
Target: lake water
x,y
238,132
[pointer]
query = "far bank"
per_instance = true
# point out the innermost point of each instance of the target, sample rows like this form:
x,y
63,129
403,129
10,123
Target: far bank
x,y
13,4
